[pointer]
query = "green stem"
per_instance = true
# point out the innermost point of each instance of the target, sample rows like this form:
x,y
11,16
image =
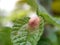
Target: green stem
x,y
42,12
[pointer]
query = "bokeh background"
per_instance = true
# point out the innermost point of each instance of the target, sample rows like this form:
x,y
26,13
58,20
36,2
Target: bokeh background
x,y
51,34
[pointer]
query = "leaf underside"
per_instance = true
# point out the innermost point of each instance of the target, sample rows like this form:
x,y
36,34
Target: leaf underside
x,y
21,35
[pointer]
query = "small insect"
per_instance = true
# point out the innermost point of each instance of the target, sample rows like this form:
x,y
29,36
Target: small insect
x,y
34,22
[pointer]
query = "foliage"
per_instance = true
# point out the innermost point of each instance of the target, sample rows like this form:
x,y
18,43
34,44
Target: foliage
x,y
5,36
20,34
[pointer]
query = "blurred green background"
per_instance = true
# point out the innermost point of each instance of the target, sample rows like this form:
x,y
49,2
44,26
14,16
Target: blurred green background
x,y
51,35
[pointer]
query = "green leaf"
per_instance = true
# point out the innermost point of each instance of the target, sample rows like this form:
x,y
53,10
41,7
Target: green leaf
x,y
44,41
52,37
25,36
5,36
